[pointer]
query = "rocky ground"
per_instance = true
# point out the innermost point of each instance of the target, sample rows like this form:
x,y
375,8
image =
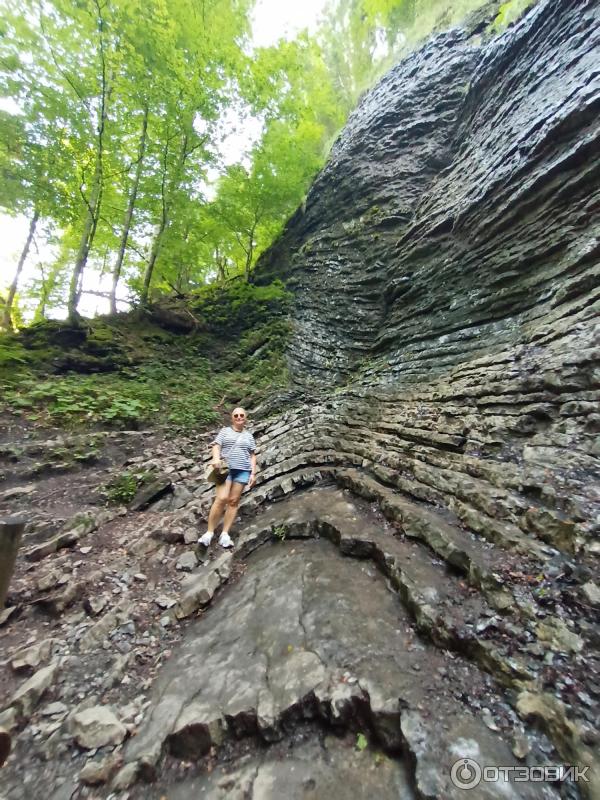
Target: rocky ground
x,y
333,648
416,574
88,619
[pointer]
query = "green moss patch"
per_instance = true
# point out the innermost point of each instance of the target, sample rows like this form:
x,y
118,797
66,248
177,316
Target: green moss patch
x,y
127,371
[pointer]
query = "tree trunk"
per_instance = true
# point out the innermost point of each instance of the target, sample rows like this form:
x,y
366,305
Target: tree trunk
x,y
166,195
250,251
182,271
129,215
7,322
85,243
248,262
152,260
48,284
93,204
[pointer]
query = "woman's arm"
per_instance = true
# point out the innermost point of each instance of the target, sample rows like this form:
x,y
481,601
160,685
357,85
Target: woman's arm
x,y
216,455
252,480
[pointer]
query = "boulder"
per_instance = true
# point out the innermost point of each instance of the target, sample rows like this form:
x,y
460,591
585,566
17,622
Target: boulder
x,y
97,727
95,772
26,698
149,493
591,593
28,658
186,562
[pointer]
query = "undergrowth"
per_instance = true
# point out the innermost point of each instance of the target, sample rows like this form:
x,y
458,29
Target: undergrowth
x,y
146,375
122,488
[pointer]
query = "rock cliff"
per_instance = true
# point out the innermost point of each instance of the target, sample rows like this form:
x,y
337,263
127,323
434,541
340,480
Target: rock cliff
x,y
444,369
445,270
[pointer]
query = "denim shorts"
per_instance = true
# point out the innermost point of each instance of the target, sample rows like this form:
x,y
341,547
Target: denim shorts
x,y
238,476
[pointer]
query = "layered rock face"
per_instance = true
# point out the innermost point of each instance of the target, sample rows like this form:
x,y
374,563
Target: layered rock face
x,y
446,272
445,370
415,581
455,216
444,365
446,277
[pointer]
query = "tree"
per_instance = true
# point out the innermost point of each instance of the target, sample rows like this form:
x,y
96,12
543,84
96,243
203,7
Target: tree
x,y
7,313
25,166
71,70
122,105
133,193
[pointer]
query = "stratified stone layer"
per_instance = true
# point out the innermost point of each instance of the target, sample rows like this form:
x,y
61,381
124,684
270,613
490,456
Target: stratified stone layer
x,y
455,216
446,355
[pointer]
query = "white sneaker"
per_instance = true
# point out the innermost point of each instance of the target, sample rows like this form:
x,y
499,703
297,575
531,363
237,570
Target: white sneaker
x,y
225,540
206,539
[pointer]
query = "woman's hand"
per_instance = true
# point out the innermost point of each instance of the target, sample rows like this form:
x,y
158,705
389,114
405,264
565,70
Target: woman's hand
x,y
252,480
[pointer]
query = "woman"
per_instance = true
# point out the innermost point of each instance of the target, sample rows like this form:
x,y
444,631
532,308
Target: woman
x,y
237,447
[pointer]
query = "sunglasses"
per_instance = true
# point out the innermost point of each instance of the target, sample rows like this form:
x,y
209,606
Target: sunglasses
x,y
241,416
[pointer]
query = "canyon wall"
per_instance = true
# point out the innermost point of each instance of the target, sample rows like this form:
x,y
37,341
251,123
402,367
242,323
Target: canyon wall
x,y
445,353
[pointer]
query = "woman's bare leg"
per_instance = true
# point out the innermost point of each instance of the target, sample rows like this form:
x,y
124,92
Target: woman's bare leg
x,y
233,502
219,505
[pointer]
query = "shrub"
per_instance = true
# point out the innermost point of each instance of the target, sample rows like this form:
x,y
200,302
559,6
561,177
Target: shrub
x,y
122,488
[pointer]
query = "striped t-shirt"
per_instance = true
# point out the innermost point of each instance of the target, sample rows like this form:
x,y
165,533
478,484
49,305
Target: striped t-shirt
x,y
236,447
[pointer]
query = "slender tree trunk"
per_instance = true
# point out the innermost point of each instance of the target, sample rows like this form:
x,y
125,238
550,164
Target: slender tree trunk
x,y
94,202
182,272
220,264
129,215
248,262
85,243
7,322
250,251
48,284
152,260
166,196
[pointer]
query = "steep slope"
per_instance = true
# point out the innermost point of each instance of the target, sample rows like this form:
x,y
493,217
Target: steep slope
x,y
416,579
446,321
455,216
444,369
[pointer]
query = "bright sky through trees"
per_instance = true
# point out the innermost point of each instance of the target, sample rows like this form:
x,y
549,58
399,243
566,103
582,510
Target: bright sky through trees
x,y
271,20
158,145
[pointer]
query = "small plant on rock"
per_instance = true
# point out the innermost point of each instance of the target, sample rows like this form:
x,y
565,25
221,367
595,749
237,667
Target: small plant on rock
x,y
279,532
122,488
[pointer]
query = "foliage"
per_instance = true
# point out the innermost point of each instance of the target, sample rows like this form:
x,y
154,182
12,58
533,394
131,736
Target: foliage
x,y
73,398
122,488
229,309
279,532
510,12
148,374
363,38
84,77
361,741
12,354
120,140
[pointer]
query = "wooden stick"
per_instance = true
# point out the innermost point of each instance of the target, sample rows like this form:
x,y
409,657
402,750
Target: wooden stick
x,y
4,745
11,530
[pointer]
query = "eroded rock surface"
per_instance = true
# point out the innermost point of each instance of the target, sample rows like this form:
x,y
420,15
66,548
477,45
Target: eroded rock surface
x,y
433,474
316,766
306,634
